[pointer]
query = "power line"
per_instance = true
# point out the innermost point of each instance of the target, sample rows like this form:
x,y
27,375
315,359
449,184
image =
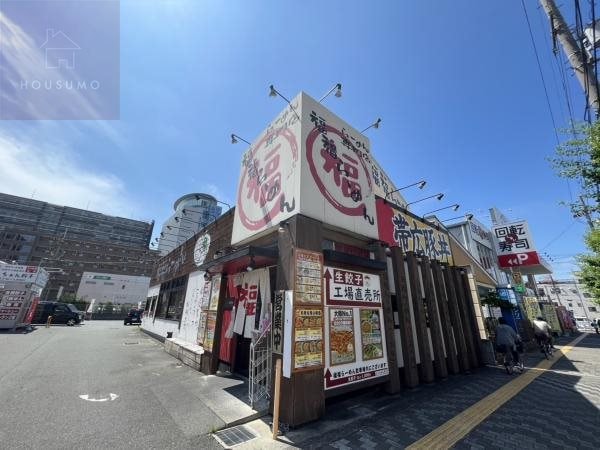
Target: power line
x,y
541,73
559,235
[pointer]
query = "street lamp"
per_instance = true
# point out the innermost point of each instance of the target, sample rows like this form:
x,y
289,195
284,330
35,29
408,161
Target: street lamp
x,y
420,184
274,93
454,208
437,196
466,216
338,92
235,138
373,125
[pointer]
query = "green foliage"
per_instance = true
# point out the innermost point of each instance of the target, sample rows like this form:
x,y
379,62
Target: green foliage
x,y
579,159
493,299
589,265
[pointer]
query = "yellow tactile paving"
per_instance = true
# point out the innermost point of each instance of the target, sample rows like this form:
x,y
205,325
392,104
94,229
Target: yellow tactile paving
x,y
459,426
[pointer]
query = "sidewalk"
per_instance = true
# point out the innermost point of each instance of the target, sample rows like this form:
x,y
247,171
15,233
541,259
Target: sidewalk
x,y
400,419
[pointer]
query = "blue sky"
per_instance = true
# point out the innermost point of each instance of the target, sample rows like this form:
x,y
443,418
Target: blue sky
x,y
455,83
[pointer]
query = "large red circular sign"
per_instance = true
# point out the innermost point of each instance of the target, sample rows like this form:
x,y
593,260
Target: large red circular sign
x,y
348,205
256,210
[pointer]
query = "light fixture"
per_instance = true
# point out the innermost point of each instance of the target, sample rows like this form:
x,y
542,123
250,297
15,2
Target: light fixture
x,y
338,92
274,93
454,208
437,196
282,226
420,184
466,217
373,125
235,138
251,265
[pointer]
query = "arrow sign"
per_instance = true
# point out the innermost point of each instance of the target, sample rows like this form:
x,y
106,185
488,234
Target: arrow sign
x,y
111,397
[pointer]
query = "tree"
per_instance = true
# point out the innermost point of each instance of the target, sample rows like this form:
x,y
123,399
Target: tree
x,y
589,273
579,159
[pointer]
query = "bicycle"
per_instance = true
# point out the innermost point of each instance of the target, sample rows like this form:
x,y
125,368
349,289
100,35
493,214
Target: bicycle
x,y
546,348
508,361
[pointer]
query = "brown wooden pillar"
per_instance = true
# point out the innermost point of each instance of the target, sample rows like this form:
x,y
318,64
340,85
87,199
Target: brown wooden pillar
x,y
393,385
471,314
303,394
457,327
435,327
442,299
465,317
411,374
426,367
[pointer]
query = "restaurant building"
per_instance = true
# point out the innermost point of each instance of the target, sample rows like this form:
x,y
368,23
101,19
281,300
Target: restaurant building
x,y
319,264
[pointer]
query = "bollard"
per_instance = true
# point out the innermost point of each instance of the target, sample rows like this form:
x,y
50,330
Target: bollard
x,y
49,322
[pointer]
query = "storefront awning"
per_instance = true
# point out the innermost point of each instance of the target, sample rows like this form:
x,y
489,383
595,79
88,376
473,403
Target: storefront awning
x,y
238,260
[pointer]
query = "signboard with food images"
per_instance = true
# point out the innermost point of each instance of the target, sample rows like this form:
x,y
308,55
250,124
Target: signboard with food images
x,y
215,291
309,273
370,334
308,338
354,337
211,323
341,336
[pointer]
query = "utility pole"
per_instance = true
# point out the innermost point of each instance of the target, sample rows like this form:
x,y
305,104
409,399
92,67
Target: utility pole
x,y
582,68
586,212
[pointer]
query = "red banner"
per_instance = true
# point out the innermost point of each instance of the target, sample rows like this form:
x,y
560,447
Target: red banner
x,y
31,312
519,259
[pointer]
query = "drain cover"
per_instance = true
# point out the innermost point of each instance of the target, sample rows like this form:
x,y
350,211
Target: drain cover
x,y
234,436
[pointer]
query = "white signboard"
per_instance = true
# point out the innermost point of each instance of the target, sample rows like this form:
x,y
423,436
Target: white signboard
x,y
480,233
201,249
349,288
355,346
23,274
512,238
320,167
268,188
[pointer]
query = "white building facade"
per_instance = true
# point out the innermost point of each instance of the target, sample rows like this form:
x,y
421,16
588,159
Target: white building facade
x,y
573,296
116,289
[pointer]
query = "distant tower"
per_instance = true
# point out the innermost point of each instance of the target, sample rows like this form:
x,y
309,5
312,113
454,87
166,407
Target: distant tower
x,y
192,213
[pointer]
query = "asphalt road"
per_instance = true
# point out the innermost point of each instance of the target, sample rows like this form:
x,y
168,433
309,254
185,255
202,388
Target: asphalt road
x,y
44,373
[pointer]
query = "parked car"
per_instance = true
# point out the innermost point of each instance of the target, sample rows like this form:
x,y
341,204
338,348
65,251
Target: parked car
x,y
133,316
61,313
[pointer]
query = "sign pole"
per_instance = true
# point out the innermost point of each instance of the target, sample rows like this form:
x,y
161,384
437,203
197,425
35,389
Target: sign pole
x,y
276,399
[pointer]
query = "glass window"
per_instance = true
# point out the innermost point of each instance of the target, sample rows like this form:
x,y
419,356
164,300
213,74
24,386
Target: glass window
x,y
587,295
593,309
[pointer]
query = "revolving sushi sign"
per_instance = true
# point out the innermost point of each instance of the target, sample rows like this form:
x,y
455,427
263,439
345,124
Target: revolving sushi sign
x,y
354,332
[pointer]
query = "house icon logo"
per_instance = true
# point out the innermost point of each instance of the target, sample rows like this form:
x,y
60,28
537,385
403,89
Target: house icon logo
x,y
60,50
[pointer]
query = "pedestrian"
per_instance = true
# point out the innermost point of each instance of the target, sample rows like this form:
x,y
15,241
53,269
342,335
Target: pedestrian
x,y
506,341
596,325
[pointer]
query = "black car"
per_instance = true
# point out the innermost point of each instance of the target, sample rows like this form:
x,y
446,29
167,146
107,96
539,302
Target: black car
x,y
133,316
61,313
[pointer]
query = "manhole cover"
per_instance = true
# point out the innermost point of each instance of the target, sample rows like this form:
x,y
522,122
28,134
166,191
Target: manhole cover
x,y
235,436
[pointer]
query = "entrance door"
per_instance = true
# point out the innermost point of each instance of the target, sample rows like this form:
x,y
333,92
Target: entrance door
x,y
242,356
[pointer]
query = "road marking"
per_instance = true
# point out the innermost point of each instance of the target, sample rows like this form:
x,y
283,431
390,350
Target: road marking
x,y
448,434
111,397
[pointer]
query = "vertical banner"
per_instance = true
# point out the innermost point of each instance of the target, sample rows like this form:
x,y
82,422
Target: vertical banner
x,y
288,328
211,323
277,328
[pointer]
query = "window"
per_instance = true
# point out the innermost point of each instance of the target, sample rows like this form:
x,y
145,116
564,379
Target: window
x,y
592,308
571,305
587,295
171,299
90,282
579,304
574,291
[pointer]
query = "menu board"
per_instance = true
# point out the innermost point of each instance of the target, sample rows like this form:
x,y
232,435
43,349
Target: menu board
x,y
202,327
308,337
11,302
211,323
370,334
341,336
205,295
309,277
215,291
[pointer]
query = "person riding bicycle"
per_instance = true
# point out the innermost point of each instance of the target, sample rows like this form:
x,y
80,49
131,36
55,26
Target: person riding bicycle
x,y
507,339
543,331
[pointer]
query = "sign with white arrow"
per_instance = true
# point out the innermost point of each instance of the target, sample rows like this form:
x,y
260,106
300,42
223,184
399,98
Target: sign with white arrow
x,y
519,259
111,397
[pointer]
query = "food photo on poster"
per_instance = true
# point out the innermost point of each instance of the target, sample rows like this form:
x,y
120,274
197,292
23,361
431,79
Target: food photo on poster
x,y
341,336
370,334
308,337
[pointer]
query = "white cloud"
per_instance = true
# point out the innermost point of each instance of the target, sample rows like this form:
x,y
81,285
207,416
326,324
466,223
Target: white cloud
x,y
51,171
